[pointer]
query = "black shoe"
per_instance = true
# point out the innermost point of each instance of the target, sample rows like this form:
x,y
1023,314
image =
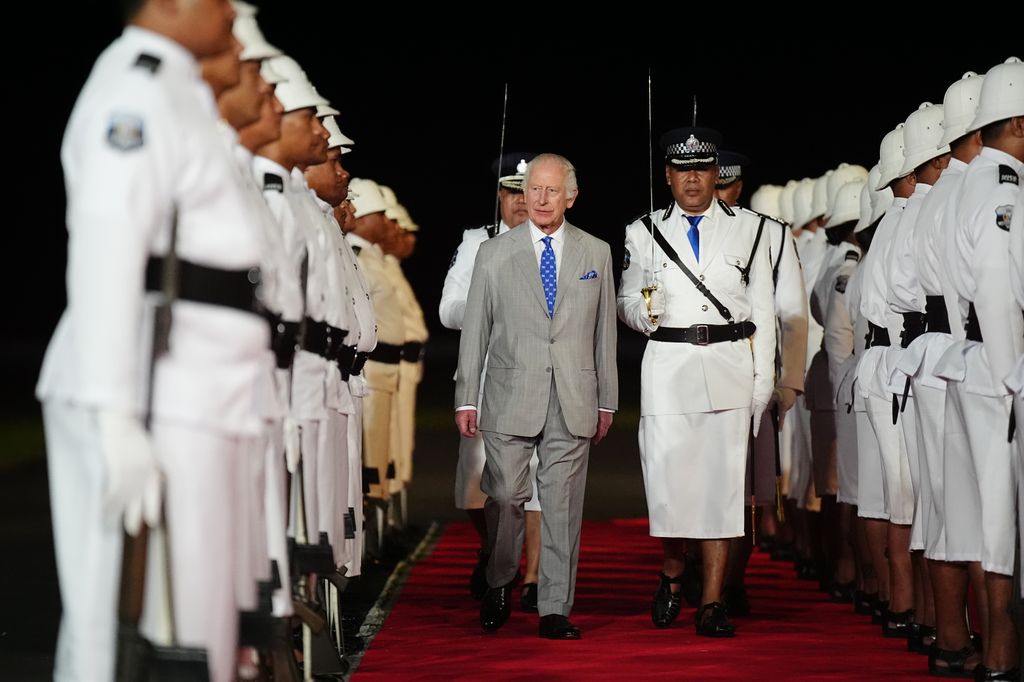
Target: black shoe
x,y
528,598
983,674
782,552
842,593
496,606
692,581
878,611
478,581
735,600
863,602
712,621
896,624
955,662
667,603
806,569
555,626
916,639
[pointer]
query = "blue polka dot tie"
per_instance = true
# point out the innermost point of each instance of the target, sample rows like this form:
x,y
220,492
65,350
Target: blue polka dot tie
x,y
549,275
694,235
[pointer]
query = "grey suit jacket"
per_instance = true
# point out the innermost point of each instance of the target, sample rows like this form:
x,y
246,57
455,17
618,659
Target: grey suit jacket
x,y
506,322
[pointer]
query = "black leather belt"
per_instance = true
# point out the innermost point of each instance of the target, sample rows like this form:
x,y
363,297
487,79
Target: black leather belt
x,y
212,286
351,361
704,334
413,351
323,339
935,311
284,337
972,328
877,336
913,327
387,353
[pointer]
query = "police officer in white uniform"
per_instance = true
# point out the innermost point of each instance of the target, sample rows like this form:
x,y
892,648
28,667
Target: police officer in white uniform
x,y
146,171
712,316
509,169
976,369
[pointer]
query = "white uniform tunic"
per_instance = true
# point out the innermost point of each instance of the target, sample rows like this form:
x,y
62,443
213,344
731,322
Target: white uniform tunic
x,y
142,149
976,371
1015,381
468,494
695,401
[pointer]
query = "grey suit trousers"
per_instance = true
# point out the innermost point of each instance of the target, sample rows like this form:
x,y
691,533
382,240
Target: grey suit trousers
x,y
561,483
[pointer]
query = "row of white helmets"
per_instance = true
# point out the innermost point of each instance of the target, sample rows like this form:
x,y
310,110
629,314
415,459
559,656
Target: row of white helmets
x,y
852,193
294,91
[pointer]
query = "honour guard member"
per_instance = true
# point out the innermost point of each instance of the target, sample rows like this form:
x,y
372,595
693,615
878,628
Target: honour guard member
x,y
511,213
977,368
698,282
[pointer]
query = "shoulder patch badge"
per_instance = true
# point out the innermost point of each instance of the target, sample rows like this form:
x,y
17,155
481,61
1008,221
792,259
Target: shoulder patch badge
x,y
273,182
1003,215
625,261
1008,175
125,132
841,283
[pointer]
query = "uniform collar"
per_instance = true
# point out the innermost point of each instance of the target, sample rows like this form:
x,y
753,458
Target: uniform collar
x,y
709,213
1003,158
956,165
536,235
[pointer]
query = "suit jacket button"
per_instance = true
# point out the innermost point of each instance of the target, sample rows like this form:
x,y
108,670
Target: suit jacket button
x,y
704,307
547,369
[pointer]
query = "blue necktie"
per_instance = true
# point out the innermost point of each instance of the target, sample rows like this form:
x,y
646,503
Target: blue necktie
x,y
694,235
549,274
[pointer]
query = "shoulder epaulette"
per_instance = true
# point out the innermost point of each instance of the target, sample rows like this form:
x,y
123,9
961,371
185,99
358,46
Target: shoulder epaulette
x,y
727,208
147,62
852,255
772,218
273,182
356,249
1007,175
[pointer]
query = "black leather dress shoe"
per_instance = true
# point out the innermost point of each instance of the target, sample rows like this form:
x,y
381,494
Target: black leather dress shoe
x,y
478,580
897,623
496,606
528,598
713,622
667,603
983,674
920,639
555,626
863,602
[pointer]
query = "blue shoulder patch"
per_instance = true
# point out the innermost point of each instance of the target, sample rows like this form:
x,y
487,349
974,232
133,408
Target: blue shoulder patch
x,y
124,132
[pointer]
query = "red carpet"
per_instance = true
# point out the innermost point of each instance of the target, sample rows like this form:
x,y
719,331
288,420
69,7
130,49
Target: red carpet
x,y
794,634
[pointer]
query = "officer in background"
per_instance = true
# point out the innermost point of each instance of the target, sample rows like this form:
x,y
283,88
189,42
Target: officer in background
x,y
790,358
711,316
509,169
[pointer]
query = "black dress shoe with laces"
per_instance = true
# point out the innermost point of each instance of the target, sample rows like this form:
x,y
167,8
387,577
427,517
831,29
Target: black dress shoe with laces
x,y
666,604
478,580
555,626
983,674
712,621
496,606
528,598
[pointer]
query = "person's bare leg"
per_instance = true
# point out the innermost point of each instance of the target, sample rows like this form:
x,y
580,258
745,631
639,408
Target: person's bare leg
x,y
976,577
901,573
924,598
675,551
867,581
1001,650
715,555
532,546
877,532
949,583
846,563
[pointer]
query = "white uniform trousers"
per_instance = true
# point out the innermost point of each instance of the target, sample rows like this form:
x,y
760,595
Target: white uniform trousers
x,y
88,549
846,439
354,544
985,503
693,466
332,481
200,472
382,384
801,468
870,489
929,410
276,516
897,488
251,541
910,452
404,426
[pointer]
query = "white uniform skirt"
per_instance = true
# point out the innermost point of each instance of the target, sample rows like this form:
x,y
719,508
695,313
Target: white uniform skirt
x,y
694,466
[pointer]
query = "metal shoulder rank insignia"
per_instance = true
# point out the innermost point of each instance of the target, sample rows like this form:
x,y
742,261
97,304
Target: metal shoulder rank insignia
x,y
852,255
625,261
841,283
1008,175
1003,215
272,182
125,132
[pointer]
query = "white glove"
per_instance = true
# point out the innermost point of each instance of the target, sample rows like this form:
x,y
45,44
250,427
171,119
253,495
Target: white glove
x,y
657,302
757,409
292,444
133,475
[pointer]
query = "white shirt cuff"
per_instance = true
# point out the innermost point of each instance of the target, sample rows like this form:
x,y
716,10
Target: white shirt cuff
x,y
465,407
602,409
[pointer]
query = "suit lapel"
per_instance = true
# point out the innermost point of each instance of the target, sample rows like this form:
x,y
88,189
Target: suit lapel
x,y
526,259
572,253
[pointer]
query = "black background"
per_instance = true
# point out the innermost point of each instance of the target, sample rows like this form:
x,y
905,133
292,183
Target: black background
x,y
421,93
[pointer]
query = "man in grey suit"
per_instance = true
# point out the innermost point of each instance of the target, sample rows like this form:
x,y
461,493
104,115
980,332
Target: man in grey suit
x,y
541,310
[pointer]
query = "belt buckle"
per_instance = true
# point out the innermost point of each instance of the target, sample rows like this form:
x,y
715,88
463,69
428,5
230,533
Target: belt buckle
x,y
703,336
